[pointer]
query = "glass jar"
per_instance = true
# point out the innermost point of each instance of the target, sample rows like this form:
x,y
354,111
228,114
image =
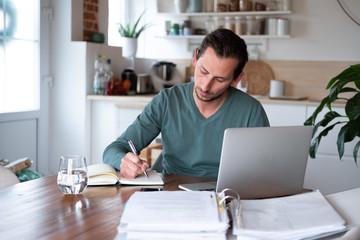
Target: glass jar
x,y
208,5
233,5
245,5
218,22
209,25
221,6
240,25
250,25
259,25
259,5
229,23
272,5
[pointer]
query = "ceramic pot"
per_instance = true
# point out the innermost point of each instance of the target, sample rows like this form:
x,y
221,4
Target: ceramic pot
x,y
180,5
130,47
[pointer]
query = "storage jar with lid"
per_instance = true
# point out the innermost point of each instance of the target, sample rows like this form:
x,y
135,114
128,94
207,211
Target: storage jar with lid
x,y
245,5
259,25
218,22
233,5
208,5
250,25
240,25
221,6
259,5
229,23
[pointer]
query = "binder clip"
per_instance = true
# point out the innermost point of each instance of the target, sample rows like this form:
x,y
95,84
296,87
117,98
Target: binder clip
x,y
234,205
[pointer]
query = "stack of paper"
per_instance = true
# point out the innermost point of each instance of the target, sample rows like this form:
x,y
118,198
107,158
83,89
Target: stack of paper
x,y
294,217
173,215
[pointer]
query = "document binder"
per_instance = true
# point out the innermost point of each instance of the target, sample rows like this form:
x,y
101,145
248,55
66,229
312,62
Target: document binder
x,y
210,215
174,215
299,216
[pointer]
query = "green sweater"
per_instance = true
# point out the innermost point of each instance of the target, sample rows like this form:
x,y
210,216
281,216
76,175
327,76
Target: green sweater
x,y
191,143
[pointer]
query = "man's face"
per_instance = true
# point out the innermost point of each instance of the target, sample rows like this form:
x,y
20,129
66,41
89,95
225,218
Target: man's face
x,y
213,75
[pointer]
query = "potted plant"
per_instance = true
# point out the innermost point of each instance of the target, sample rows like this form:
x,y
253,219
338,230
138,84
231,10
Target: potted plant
x,y
130,33
350,121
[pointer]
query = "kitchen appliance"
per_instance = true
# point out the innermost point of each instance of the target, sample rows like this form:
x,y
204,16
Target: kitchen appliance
x,y
165,74
144,84
130,75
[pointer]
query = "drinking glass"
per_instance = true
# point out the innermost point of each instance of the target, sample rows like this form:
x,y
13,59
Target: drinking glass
x,y
72,175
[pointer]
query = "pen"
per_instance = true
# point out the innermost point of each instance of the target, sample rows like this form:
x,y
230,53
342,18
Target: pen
x,y
133,149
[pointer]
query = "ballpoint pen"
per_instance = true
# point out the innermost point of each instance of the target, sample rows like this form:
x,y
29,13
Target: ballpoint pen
x,y
133,149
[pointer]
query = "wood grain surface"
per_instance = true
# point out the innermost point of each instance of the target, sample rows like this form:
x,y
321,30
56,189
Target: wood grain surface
x,y
257,77
37,209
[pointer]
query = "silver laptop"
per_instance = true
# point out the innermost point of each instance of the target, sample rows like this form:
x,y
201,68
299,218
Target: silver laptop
x,y
261,162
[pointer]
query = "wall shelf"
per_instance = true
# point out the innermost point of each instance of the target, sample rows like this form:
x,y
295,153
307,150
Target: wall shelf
x,y
219,14
200,37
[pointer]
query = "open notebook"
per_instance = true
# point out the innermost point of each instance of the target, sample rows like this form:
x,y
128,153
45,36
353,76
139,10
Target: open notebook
x,y
104,174
261,162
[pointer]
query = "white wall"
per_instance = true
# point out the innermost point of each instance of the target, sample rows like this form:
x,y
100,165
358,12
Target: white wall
x,y
67,132
320,30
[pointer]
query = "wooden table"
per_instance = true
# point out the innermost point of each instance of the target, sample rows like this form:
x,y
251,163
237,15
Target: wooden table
x,y
39,210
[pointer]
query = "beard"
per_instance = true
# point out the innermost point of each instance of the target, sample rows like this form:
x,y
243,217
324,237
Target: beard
x,y
213,98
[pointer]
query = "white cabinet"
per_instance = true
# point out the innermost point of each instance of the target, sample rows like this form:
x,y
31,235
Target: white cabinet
x,y
284,114
328,143
330,175
326,172
110,117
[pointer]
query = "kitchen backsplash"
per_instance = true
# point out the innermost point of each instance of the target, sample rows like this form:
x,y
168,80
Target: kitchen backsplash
x,y
302,78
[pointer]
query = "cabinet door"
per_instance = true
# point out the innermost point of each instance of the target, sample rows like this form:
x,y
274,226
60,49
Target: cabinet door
x,y
103,122
330,175
327,172
126,117
285,115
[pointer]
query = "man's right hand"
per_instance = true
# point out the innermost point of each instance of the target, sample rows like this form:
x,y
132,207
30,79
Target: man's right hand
x,y
132,166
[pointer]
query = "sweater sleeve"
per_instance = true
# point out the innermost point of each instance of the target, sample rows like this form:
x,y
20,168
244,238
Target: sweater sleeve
x,y
142,132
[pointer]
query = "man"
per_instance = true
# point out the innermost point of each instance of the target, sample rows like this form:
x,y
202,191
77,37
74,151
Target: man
x,y
192,117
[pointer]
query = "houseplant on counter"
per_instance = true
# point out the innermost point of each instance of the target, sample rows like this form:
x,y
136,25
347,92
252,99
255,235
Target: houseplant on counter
x,y
350,122
130,34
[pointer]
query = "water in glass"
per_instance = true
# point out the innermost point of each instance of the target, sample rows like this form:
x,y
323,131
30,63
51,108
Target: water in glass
x,y
72,176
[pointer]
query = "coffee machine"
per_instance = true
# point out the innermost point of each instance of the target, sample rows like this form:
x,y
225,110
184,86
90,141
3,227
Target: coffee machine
x,y
165,74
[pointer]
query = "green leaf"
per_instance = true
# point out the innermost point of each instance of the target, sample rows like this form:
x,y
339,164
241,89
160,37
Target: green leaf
x,y
352,107
316,141
311,120
355,151
350,74
130,31
328,117
351,129
346,134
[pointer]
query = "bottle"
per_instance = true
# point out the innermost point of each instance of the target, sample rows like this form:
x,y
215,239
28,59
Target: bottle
x,y
108,75
99,78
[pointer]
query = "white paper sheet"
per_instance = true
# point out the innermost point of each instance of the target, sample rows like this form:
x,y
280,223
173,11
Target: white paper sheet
x,y
293,217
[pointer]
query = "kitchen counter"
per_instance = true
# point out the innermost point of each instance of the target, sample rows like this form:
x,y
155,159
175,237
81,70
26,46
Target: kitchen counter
x,y
141,100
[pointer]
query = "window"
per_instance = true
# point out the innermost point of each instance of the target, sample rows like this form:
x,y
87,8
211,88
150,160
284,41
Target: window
x,y
19,56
